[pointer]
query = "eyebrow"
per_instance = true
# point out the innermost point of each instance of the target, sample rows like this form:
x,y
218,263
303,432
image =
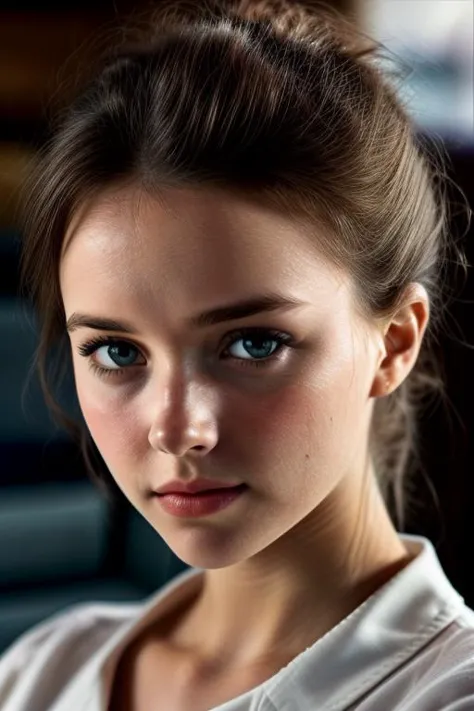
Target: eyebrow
x,y
242,309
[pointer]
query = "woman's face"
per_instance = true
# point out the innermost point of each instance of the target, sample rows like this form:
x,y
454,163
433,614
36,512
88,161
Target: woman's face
x,y
288,416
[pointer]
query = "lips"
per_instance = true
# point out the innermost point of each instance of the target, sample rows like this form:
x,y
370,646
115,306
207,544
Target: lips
x,y
223,490
205,503
194,487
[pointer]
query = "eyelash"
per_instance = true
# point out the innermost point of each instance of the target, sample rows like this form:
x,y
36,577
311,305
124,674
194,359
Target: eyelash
x,y
284,339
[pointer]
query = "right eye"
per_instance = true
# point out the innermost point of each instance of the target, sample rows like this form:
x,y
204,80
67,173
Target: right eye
x,y
120,354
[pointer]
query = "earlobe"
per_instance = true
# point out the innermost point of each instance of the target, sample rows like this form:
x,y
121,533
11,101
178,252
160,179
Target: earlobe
x,y
380,385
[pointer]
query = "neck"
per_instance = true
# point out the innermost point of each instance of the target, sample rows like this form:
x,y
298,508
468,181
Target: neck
x,y
293,592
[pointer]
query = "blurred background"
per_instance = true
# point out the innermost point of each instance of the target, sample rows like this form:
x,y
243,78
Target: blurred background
x,y
61,541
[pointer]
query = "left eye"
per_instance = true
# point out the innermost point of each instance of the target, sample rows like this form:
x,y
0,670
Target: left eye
x,y
260,342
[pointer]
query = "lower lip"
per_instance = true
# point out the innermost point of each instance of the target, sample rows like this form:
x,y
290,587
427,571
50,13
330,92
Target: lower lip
x,y
200,504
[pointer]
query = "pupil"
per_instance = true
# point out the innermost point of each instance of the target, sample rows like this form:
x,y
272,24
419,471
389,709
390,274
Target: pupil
x,y
120,351
257,340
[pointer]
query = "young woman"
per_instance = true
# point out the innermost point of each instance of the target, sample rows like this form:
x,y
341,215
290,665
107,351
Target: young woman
x,y
238,237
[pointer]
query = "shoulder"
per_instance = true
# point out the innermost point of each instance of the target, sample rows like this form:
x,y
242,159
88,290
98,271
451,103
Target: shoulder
x,y
59,646
441,675
91,621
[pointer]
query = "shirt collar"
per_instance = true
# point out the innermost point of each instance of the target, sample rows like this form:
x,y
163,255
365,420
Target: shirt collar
x,y
377,637
369,644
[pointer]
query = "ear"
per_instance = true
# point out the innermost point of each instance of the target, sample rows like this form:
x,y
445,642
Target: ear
x,y
402,337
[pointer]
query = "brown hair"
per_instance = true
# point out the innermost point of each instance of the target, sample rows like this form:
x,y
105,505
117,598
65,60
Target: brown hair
x,y
284,101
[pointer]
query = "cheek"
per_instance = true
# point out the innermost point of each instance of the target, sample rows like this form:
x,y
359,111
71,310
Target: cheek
x,y
313,426
115,431
294,422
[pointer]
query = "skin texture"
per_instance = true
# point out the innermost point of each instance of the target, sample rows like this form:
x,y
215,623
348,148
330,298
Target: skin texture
x,y
311,538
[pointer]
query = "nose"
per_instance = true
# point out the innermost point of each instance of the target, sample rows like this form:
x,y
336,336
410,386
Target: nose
x,y
185,424
198,438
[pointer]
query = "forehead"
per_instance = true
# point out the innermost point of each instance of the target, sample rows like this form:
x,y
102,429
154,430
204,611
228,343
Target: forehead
x,y
186,245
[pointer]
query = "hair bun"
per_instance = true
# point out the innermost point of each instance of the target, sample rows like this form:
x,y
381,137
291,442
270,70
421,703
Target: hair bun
x,y
310,20
313,20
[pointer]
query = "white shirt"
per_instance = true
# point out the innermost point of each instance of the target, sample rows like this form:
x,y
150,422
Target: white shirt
x,y
408,647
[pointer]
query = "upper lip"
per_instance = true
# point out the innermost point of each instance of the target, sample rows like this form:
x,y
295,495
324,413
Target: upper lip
x,y
192,487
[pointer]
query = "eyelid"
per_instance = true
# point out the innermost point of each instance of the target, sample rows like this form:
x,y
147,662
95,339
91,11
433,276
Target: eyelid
x,y
286,342
93,344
